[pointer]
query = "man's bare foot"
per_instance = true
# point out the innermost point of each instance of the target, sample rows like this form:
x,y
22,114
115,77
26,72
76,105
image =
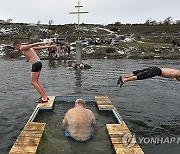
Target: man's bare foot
x,y
120,81
41,100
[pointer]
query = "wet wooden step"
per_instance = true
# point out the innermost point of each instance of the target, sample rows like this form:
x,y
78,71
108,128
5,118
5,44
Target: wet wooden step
x,y
116,133
30,136
29,139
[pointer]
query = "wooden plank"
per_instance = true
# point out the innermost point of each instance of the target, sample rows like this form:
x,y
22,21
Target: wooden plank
x,y
104,102
116,133
34,126
30,136
120,135
117,128
129,151
23,149
118,140
105,107
21,152
25,132
101,97
121,145
48,104
36,134
29,139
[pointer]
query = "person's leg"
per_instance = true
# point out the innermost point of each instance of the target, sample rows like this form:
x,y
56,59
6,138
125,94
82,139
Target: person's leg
x,y
37,85
41,85
42,88
143,74
127,76
130,78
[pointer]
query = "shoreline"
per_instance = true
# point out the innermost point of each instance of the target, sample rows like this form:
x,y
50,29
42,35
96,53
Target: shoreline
x,y
133,50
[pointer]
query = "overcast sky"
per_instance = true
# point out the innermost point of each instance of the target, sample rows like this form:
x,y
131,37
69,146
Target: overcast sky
x,y
100,11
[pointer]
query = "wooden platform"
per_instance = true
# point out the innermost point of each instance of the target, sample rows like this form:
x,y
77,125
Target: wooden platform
x,y
30,136
118,131
29,139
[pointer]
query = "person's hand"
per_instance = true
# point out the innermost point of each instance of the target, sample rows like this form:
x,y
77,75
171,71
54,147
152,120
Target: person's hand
x,y
53,46
47,43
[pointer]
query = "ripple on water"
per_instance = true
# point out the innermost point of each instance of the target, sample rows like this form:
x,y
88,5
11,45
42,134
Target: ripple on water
x,y
148,107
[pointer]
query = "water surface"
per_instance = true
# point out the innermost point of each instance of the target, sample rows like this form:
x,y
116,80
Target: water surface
x,y
149,107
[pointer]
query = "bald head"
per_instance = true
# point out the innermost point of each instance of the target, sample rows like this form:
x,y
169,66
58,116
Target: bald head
x,y
80,102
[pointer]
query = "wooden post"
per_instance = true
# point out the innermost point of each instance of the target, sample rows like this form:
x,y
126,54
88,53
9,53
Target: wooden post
x,y
78,53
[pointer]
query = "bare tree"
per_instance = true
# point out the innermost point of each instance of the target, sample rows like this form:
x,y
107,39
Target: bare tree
x,y
38,22
154,22
161,22
50,22
148,21
117,23
168,21
151,22
178,22
9,20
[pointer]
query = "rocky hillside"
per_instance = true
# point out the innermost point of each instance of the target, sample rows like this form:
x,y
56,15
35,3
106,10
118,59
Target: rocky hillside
x,y
114,41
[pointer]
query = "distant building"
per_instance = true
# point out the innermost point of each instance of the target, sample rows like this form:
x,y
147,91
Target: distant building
x,y
2,21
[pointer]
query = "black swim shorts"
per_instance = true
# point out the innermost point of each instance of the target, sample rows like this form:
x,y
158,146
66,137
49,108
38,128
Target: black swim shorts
x,y
37,66
67,134
148,73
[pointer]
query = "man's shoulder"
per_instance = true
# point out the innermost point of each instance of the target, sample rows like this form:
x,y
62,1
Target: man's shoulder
x,y
26,47
70,110
88,110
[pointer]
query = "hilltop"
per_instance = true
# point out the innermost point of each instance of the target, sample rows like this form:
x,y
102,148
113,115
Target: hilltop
x,y
114,40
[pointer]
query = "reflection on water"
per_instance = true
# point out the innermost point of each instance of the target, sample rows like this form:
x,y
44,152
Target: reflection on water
x,y
51,63
149,107
55,63
78,80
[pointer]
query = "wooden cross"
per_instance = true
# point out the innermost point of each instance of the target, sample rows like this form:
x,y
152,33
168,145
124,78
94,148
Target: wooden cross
x,y
78,13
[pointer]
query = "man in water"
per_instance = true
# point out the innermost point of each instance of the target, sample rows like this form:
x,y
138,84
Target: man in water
x,y
148,73
30,53
79,123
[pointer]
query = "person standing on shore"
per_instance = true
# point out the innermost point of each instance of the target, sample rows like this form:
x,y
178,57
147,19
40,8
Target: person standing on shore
x,y
30,53
149,73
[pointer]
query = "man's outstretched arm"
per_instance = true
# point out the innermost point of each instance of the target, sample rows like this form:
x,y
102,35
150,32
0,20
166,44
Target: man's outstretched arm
x,y
44,47
28,46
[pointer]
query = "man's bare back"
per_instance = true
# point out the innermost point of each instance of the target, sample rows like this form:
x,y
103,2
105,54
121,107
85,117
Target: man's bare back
x,y
79,122
170,73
